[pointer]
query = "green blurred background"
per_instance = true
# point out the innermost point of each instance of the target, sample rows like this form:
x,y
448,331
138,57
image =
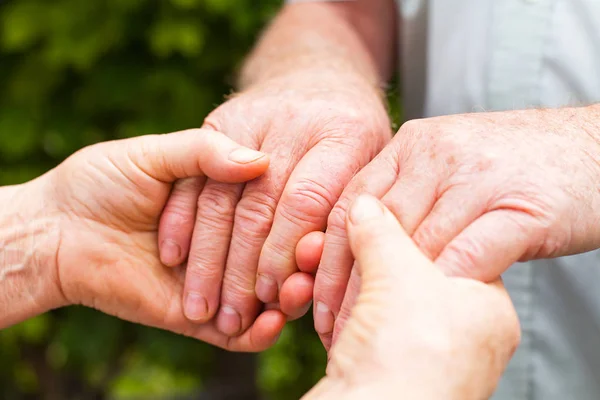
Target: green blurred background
x,y
75,72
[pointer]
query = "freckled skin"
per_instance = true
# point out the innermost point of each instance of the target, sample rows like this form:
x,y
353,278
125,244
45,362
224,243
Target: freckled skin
x,y
477,193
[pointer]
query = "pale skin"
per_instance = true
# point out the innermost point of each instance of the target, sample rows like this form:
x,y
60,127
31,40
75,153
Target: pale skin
x,y
313,102
86,233
477,193
415,333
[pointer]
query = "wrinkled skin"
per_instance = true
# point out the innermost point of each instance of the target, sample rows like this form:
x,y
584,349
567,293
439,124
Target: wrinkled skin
x,y
415,333
245,236
106,201
476,192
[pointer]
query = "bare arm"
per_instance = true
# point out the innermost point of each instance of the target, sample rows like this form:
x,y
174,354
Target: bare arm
x,y
28,240
347,41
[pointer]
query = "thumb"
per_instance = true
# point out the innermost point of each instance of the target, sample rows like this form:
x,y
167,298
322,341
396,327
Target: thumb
x,y
383,250
490,245
193,153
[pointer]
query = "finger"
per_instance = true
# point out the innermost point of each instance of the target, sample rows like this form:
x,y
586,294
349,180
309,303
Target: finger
x,y
260,336
309,252
350,297
177,221
296,295
490,245
452,213
252,224
192,153
309,196
337,260
210,244
384,253
295,299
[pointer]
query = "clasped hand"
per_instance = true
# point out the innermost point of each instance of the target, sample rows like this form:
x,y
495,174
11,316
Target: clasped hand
x,y
93,240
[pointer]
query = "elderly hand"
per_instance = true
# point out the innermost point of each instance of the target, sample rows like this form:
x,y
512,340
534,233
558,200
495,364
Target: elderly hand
x,y
476,192
102,207
244,239
415,333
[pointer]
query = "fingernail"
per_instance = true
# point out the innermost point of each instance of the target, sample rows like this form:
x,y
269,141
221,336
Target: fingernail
x,y
245,156
196,306
266,289
229,321
364,208
323,319
170,252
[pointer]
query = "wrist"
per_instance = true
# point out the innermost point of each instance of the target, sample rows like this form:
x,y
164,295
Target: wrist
x,y
29,241
322,80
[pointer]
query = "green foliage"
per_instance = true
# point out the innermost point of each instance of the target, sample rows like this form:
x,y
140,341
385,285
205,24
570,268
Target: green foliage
x,y
75,72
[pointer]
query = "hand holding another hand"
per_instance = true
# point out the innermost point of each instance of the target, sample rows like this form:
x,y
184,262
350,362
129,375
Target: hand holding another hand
x,y
96,216
318,134
413,332
476,192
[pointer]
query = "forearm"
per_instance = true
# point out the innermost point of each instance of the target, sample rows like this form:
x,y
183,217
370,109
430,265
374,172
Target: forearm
x,y
28,243
347,42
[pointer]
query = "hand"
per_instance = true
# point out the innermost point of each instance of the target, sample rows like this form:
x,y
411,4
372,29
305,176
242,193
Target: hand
x,y
476,192
108,199
415,333
244,239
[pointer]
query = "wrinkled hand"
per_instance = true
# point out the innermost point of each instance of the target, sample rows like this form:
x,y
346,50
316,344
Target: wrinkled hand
x,y
476,192
108,199
415,333
244,239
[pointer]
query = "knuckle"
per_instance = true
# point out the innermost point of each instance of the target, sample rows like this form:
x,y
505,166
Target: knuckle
x,y
238,285
336,222
202,265
181,206
410,127
465,255
333,281
308,200
216,206
255,213
178,215
280,251
246,239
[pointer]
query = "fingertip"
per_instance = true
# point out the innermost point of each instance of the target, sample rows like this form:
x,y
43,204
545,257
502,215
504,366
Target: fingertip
x,y
296,295
365,209
309,251
248,163
222,159
266,329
